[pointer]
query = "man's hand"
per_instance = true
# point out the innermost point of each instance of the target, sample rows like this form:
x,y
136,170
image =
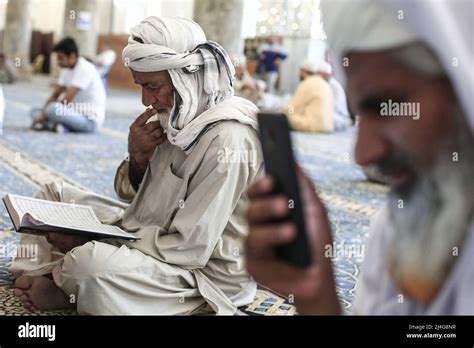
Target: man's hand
x,y
41,120
65,242
313,288
143,139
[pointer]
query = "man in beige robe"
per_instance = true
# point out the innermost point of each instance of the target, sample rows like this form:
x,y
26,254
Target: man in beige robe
x,y
312,107
182,189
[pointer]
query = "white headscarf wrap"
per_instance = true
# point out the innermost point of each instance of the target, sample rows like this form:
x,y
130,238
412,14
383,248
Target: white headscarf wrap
x,y
201,71
375,25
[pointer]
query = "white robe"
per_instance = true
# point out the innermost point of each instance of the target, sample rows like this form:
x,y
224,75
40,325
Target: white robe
x,y
376,294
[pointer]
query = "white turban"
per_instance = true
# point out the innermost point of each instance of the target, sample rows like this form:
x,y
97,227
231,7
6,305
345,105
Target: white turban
x,y
201,71
373,25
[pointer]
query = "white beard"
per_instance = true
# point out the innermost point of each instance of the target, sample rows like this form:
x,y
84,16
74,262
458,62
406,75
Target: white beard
x,y
163,117
433,222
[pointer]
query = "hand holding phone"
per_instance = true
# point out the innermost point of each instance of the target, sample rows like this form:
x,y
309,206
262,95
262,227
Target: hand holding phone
x,y
280,164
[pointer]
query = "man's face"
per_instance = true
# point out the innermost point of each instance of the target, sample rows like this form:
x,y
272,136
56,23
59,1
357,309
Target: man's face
x,y
416,148
157,89
303,74
373,79
66,61
239,71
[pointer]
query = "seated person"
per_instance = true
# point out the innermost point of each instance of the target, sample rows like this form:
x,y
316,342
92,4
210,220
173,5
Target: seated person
x,y
270,56
183,186
248,87
78,101
312,106
104,61
8,73
419,255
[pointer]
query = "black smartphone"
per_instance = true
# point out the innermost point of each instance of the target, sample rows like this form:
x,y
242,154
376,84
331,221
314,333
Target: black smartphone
x,y
280,164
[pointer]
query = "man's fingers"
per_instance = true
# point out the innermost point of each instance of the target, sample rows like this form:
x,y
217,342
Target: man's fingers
x,y
277,275
268,236
152,126
52,237
158,139
141,120
261,187
267,209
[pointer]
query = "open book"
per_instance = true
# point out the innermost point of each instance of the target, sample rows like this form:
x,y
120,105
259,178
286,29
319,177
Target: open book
x,y
31,215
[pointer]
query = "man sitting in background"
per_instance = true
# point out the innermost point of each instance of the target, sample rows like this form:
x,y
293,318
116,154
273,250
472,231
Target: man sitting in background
x,y
104,61
78,101
312,106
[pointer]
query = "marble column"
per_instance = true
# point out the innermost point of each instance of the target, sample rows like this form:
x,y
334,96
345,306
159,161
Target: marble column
x,y
221,20
80,23
17,35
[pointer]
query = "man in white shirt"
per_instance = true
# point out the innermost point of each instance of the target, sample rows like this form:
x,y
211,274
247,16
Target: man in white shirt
x,y
78,101
104,61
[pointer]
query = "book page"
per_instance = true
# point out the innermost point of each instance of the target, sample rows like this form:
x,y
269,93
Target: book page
x,y
54,213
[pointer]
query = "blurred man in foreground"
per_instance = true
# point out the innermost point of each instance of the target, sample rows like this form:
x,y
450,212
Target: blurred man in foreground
x,y
411,81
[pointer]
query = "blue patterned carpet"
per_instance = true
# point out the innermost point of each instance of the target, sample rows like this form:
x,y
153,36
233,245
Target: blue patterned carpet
x,y
91,160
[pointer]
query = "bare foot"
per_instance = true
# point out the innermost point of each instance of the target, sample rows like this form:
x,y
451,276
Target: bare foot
x,y
40,293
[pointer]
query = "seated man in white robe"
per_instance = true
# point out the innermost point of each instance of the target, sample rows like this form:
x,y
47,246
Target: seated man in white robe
x,y
192,156
419,257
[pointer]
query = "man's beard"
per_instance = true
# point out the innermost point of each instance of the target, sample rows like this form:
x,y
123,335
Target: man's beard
x,y
163,115
431,218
